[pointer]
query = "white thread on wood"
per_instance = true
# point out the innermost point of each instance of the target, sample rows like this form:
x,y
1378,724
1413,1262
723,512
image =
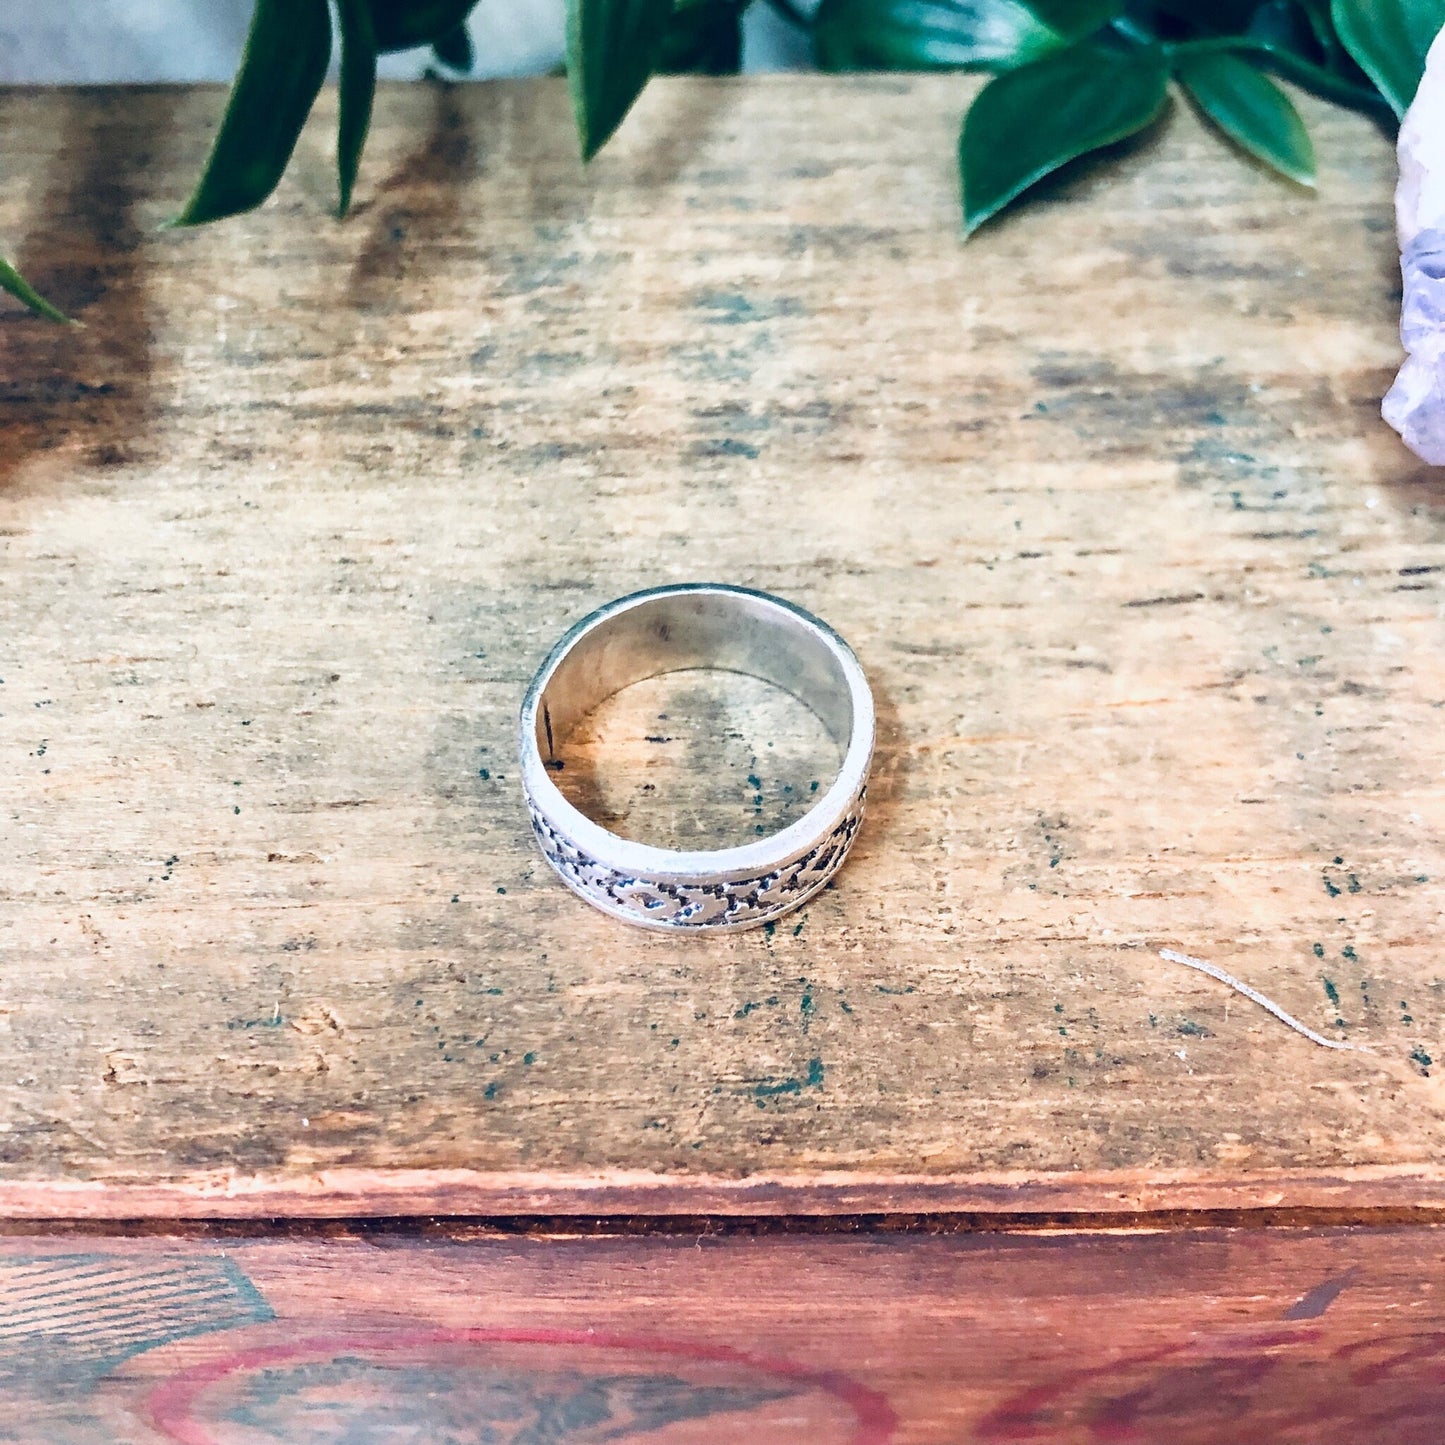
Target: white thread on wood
x,y
1254,995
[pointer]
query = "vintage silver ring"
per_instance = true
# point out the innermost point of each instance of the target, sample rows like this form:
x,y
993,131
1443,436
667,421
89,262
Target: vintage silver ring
x,y
668,629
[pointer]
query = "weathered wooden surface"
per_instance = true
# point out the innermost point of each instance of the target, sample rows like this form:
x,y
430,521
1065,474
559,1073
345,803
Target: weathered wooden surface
x,y
1149,596
1301,1338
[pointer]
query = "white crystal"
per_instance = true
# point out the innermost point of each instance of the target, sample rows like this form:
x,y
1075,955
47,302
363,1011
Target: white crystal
x,y
1415,405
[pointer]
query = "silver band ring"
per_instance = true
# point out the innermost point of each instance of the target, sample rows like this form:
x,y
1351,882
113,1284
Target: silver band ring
x,y
668,629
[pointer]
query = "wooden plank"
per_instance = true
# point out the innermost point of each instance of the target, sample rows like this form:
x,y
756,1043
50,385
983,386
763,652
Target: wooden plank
x,y
1148,594
1328,1337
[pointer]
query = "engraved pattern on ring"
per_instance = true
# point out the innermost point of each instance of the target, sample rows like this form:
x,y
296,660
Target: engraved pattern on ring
x,y
701,905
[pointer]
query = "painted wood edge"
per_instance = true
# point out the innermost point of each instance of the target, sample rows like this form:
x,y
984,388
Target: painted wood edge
x,y
365,1193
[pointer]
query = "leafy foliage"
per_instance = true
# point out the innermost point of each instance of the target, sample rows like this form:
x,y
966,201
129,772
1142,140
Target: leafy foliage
x,y
613,47
1250,109
287,52
1389,39
356,88
930,34
1036,118
1068,77
12,281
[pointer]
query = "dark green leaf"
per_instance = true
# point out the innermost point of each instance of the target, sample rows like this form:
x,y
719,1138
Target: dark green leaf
x,y
454,49
402,24
357,88
1029,122
929,35
612,50
1076,19
1389,39
704,38
1284,25
1345,84
13,282
1251,110
284,64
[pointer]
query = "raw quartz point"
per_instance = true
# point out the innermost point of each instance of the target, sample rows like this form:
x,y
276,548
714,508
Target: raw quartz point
x,y
1415,405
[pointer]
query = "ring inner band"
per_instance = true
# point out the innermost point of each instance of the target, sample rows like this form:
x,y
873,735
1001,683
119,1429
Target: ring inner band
x,y
671,633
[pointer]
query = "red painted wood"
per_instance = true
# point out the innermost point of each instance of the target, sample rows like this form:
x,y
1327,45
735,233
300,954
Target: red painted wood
x,y
1191,1337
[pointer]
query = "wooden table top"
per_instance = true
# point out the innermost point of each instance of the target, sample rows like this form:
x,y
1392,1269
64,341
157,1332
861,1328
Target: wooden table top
x,y
1149,596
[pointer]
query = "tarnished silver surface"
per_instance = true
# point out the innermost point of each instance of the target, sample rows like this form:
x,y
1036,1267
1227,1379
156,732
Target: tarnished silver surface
x,y
668,629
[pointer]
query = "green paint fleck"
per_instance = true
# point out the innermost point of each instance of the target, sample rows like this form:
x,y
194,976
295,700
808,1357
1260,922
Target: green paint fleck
x,y
797,930
529,1058
883,988
1331,992
1349,951
772,1088
501,890
484,775
1058,1008
456,897
813,786
1331,889
806,1006
755,782
490,1092
1421,1057
1193,1030
1319,950
1063,1030
770,928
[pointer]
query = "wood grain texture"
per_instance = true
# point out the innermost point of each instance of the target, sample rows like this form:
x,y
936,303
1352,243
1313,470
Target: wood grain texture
x,y
1325,1337
1148,594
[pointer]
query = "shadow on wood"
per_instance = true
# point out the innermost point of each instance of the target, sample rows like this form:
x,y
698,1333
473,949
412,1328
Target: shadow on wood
x,y
88,392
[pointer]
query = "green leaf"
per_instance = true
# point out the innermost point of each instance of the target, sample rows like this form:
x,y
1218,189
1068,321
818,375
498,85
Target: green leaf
x,y
287,52
704,38
1251,110
454,49
929,35
404,24
1389,40
1284,25
1029,122
12,281
612,50
357,89
1077,19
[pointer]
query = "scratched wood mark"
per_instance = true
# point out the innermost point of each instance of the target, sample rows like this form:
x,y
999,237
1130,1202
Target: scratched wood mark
x,y
1327,1337
1149,597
